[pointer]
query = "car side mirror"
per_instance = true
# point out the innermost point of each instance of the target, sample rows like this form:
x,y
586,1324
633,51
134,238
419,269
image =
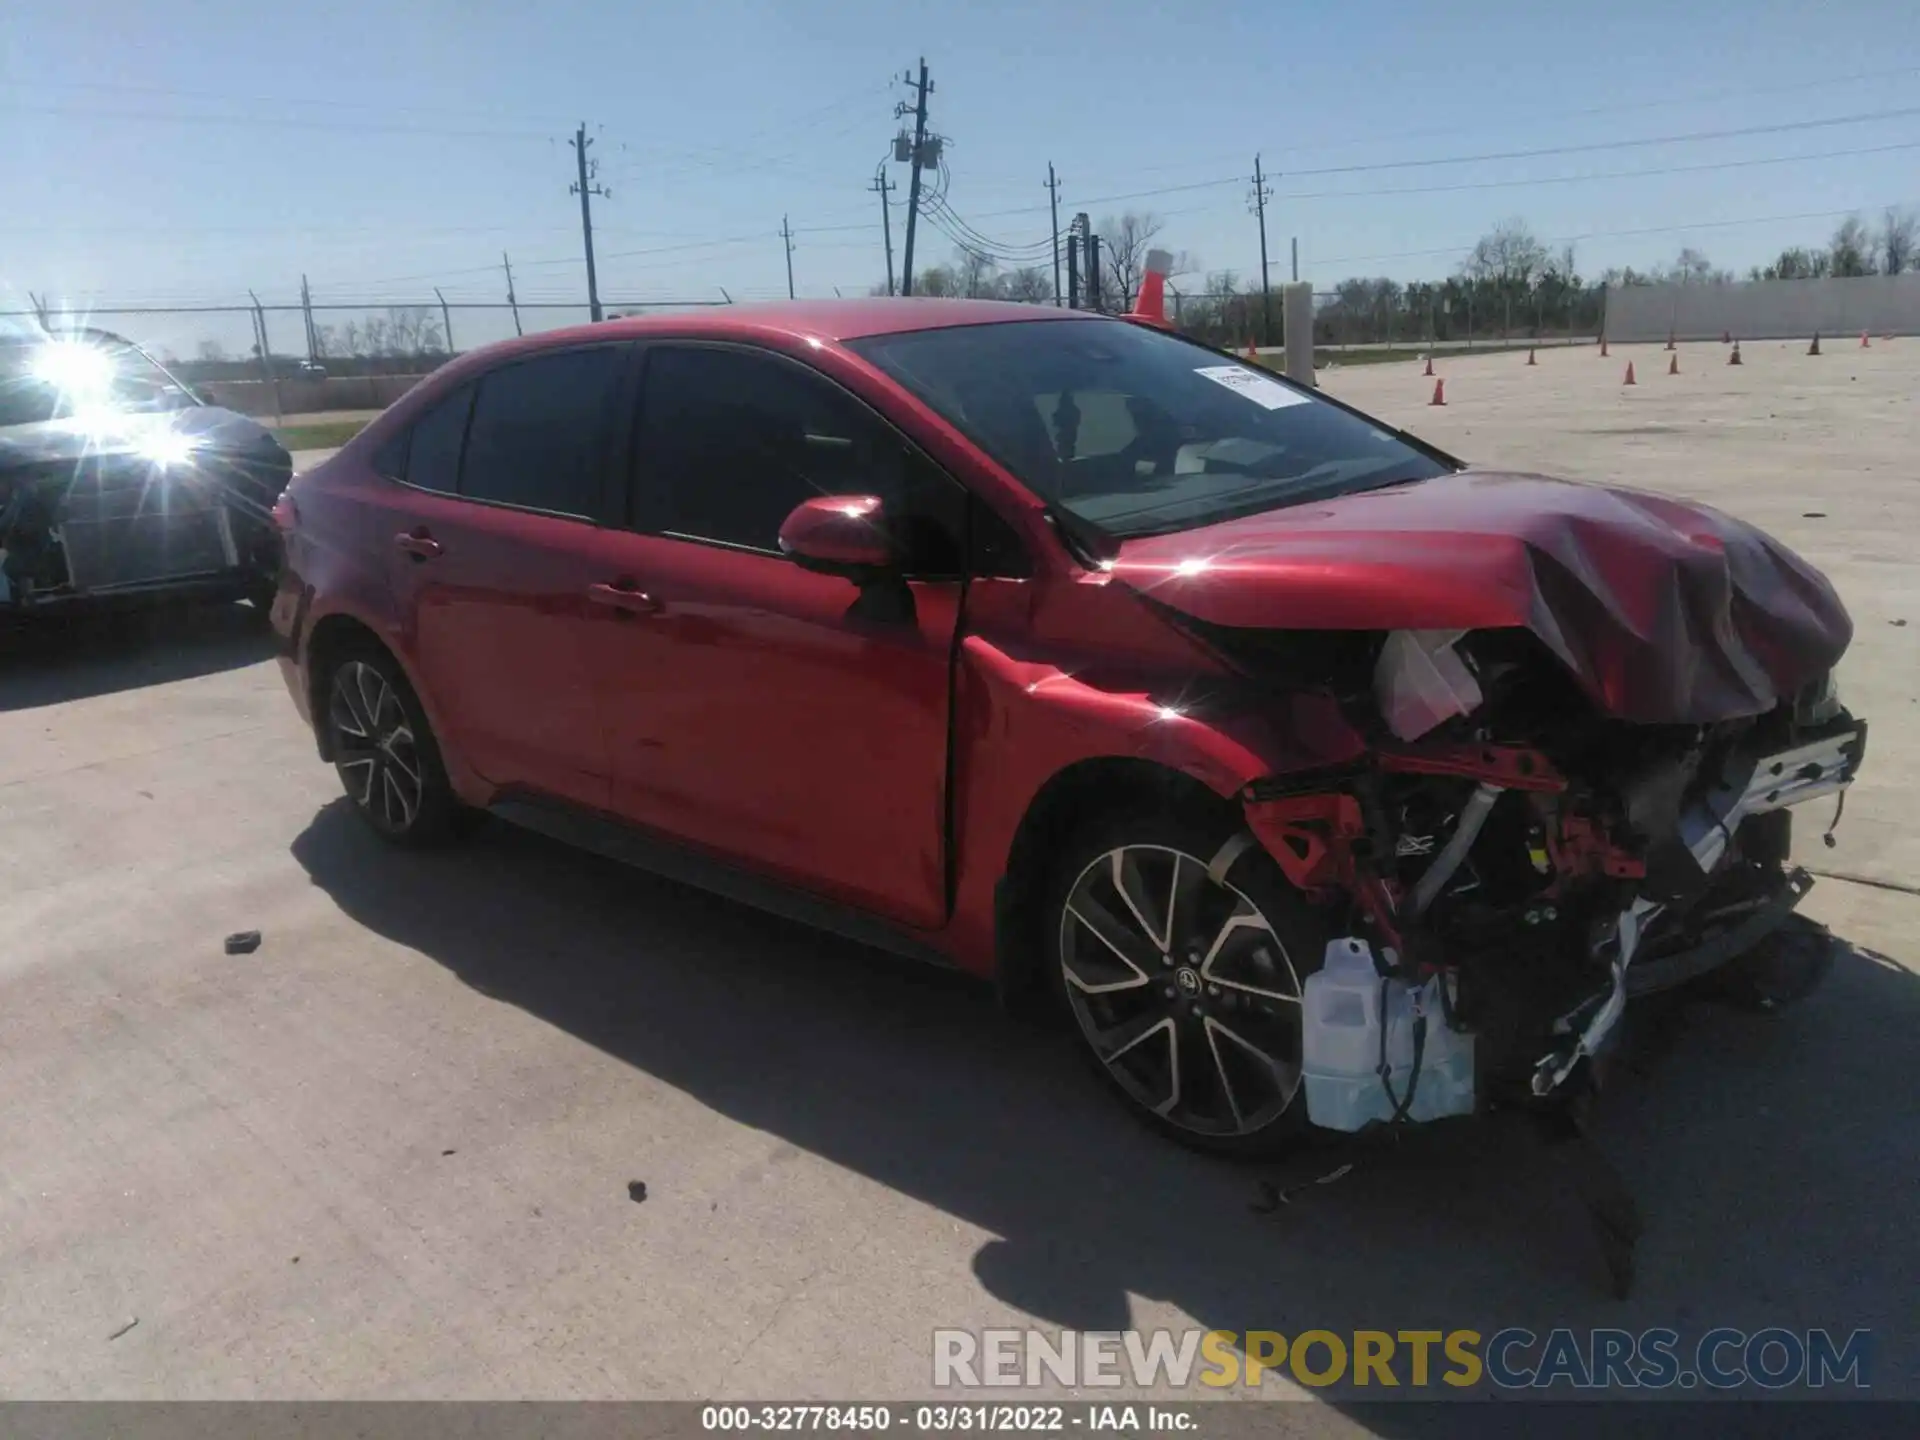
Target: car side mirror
x,y
839,535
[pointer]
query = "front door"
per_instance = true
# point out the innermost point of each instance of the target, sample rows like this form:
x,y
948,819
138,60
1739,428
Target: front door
x,y
495,567
765,713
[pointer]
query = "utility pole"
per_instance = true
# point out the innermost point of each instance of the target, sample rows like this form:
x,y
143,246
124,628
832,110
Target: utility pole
x,y
786,234
1296,259
922,88
882,185
512,303
1260,195
1093,271
586,189
306,308
1053,199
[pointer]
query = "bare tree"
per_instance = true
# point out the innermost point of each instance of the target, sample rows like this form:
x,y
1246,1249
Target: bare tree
x,y
1899,238
937,282
975,273
1851,249
1123,254
1030,283
1509,255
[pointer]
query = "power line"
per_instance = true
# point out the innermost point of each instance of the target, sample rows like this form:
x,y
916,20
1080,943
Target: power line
x,y
1742,132
1599,175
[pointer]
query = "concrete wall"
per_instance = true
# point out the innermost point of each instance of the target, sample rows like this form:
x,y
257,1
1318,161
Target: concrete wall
x,y
1766,309
305,397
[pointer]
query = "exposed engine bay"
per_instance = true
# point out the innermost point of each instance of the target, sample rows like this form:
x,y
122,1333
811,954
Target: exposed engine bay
x,y
1508,867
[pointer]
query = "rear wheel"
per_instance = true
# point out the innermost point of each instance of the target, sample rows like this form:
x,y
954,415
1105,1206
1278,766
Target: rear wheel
x,y
385,753
1181,952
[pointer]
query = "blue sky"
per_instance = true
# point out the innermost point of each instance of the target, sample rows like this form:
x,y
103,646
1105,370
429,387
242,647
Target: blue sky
x,y
198,149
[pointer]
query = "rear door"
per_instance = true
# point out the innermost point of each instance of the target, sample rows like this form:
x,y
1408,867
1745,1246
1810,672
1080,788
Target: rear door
x,y
781,718
511,475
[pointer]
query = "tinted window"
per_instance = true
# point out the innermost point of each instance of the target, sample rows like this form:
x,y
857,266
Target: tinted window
x,y
432,460
539,431
731,442
1138,431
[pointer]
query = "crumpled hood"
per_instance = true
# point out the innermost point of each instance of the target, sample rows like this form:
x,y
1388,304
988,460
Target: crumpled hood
x,y
214,430
1664,611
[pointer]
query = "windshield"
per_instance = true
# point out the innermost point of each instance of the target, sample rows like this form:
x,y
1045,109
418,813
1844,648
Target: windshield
x,y
1137,431
63,377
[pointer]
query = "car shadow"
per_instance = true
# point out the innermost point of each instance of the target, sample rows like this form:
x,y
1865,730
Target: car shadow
x,y
1774,1158
52,659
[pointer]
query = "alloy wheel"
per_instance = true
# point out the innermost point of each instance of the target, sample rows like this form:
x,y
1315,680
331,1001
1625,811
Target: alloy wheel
x,y
374,748
1183,989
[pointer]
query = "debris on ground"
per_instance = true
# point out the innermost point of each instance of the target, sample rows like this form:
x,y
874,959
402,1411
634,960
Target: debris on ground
x,y
1813,515
445,1153
1272,1197
636,1190
1899,624
243,942
124,1328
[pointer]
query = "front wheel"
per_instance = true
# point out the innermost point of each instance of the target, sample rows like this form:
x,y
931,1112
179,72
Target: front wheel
x,y
1181,952
385,753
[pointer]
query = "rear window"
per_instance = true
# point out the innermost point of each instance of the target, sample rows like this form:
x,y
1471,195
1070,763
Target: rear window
x,y
538,437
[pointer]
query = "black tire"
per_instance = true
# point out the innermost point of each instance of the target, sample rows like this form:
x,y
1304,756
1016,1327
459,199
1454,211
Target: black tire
x,y
385,752
1207,1050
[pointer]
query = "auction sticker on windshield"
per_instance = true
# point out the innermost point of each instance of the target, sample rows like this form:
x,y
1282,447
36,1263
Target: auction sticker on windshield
x,y
1257,388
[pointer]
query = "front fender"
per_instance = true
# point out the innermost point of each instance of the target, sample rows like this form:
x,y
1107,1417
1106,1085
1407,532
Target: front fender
x,y
1020,722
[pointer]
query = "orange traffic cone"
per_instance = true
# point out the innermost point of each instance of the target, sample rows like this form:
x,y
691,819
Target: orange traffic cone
x,y
1814,348
1603,347
1629,379
1865,344
1669,339
1530,359
1439,393
1726,337
1673,364
1252,352
1734,358
1428,372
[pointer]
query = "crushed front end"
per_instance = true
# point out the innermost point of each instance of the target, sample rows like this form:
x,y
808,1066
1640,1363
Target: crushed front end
x,y
1509,867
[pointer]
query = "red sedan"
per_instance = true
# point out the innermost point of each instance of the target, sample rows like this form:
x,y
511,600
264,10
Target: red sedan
x,y
1319,778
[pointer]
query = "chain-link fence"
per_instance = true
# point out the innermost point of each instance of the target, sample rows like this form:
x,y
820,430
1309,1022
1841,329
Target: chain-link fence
x,y
1381,315
290,358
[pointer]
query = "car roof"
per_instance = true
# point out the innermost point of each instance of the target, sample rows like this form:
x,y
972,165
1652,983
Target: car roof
x,y
804,319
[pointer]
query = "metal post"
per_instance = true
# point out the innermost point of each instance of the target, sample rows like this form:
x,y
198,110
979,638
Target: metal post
x,y
1296,259
446,319
265,347
306,308
1073,271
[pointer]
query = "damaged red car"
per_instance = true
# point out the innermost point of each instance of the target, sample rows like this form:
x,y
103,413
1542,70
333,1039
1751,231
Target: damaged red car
x,y
1320,779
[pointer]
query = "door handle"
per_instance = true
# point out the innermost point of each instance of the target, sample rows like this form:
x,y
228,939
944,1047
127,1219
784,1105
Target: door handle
x,y
624,596
417,543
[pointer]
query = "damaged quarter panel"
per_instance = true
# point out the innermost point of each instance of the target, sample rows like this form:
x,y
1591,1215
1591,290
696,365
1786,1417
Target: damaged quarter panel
x,y
1662,610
